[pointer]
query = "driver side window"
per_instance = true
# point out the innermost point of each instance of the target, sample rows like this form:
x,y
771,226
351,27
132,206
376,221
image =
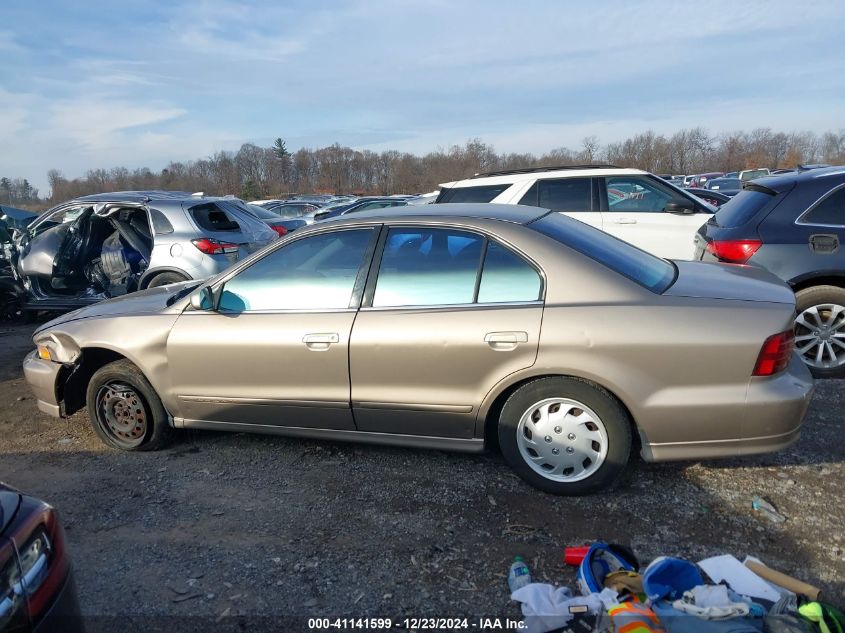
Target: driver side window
x,y
638,195
312,273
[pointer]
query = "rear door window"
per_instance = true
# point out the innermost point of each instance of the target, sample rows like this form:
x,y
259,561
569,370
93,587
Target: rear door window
x,y
507,278
560,194
424,267
830,210
482,193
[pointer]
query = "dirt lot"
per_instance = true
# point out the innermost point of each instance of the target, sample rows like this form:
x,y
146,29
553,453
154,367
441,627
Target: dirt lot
x,y
224,525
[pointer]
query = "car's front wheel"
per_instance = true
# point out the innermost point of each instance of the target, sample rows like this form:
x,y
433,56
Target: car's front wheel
x,y
125,410
820,330
565,436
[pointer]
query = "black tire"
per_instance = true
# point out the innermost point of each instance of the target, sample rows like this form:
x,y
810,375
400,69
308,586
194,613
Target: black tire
x,y
12,311
162,279
609,411
125,410
820,296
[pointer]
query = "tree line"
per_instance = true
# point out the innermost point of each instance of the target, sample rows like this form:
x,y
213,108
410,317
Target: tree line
x,y
260,172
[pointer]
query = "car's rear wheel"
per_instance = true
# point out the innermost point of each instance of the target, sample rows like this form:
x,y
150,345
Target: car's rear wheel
x,y
125,410
12,310
565,435
820,330
162,279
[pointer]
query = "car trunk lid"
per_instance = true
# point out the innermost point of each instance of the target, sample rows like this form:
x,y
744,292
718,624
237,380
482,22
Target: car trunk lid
x,y
729,281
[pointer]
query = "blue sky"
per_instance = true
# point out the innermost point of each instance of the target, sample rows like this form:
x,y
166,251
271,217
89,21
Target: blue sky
x,y
138,83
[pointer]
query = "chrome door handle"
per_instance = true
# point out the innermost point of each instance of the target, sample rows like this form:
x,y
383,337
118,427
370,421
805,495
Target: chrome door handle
x,y
624,221
505,341
320,342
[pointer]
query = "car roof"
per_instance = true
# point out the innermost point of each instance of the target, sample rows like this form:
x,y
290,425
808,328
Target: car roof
x,y
777,181
499,178
145,196
515,213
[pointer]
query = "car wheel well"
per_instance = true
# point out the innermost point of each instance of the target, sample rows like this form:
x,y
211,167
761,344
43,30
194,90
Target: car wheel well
x,y
76,380
819,281
491,421
149,275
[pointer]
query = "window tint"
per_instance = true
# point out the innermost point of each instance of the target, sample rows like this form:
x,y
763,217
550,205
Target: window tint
x,y
831,210
483,193
212,218
530,197
313,273
161,225
565,194
638,195
507,277
644,268
422,267
741,208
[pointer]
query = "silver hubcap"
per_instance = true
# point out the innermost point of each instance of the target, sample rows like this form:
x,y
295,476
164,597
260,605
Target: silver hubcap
x,y
562,439
820,335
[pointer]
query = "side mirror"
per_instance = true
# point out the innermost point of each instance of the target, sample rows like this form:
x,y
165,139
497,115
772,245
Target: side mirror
x,y
679,207
202,299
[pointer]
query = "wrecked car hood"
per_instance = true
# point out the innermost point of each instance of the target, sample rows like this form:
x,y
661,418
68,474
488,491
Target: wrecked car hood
x,y
148,301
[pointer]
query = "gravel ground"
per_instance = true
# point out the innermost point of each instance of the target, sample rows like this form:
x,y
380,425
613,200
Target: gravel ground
x,y
227,525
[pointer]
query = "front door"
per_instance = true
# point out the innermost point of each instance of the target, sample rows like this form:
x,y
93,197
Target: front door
x,y
275,350
438,331
636,213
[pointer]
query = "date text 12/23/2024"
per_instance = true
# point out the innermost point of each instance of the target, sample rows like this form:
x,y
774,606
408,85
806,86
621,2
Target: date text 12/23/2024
x,y
417,624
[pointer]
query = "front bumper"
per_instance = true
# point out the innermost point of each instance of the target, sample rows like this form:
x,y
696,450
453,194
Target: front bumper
x,y
42,376
773,411
64,615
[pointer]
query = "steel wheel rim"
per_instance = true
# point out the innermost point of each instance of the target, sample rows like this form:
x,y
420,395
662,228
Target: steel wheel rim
x,y
820,335
562,440
122,414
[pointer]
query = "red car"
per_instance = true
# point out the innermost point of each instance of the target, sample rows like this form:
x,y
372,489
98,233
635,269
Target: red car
x,y
37,592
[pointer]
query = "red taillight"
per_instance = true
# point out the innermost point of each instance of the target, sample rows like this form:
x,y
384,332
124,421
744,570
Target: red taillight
x,y
734,251
278,228
211,246
775,354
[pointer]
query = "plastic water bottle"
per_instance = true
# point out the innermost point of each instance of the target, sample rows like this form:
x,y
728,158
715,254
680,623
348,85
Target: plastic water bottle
x,y
519,576
767,509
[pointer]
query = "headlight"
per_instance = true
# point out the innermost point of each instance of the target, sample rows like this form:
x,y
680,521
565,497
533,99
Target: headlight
x,y
59,348
44,352
21,577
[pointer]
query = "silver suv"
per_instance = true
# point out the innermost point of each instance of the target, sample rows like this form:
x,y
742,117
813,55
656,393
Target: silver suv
x,y
110,244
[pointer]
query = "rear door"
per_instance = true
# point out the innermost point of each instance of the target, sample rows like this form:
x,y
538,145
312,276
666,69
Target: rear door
x,y
575,197
437,331
636,212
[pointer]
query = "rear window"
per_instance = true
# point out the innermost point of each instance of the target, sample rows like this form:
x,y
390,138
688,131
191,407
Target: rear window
x,y
649,271
741,208
210,217
483,193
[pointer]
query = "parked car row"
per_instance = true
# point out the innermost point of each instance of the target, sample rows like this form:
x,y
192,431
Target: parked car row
x,y
790,224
